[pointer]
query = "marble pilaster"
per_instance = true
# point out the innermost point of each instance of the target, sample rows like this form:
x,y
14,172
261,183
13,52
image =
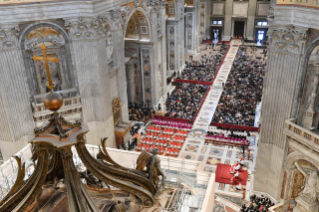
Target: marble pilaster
x,y
16,113
251,19
285,50
228,20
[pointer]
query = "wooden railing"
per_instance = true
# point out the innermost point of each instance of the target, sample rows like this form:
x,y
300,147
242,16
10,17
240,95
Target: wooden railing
x,y
301,134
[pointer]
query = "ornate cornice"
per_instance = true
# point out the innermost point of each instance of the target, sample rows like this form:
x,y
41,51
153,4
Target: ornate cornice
x,y
9,37
95,28
287,38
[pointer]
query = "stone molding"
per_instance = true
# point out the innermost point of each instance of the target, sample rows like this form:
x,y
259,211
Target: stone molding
x,y
9,37
287,38
298,154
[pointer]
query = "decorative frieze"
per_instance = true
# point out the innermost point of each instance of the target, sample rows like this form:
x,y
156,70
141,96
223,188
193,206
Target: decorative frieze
x,y
202,19
95,28
189,25
9,36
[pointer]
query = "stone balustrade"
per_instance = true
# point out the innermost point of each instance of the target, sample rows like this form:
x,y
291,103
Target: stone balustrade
x,y
302,135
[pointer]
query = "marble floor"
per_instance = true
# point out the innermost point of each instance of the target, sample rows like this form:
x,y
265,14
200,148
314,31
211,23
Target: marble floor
x,y
227,197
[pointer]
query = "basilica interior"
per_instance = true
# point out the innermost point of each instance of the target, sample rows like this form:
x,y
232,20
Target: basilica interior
x,y
159,106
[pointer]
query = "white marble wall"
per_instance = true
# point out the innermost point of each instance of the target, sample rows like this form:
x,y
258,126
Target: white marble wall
x,y
96,83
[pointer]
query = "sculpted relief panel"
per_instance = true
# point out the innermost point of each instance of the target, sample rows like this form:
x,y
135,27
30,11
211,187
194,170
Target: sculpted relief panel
x,y
189,25
171,40
147,75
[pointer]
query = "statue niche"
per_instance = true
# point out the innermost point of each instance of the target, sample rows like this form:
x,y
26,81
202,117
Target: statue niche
x,y
310,190
308,197
55,44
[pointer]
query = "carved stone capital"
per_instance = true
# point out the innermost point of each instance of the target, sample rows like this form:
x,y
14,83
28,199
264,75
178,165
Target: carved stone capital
x,y
9,37
83,29
156,4
287,38
118,16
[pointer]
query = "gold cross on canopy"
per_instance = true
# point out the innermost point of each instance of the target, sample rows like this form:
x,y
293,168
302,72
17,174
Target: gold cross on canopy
x,y
46,59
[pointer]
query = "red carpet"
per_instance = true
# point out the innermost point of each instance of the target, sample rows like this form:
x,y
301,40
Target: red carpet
x,y
222,175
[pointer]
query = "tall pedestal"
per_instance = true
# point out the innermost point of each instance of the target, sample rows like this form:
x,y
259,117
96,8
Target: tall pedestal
x,y
304,205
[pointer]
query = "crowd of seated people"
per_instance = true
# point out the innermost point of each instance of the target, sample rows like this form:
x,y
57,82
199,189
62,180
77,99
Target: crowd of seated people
x,y
233,130
139,112
185,100
231,139
242,91
172,124
169,140
204,69
257,204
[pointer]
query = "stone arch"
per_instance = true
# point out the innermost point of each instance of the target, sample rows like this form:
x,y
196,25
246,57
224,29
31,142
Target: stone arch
x,y
138,26
305,102
295,156
302,75
293,179
62,41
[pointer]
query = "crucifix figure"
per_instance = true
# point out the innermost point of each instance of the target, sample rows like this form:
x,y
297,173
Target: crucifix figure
x,y
45,58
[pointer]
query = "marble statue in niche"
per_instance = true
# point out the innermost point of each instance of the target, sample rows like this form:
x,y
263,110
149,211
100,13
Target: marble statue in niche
x,y
109,47
311,186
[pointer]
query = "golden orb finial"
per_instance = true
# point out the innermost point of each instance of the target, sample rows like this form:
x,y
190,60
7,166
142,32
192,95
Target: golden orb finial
x,y
53,101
